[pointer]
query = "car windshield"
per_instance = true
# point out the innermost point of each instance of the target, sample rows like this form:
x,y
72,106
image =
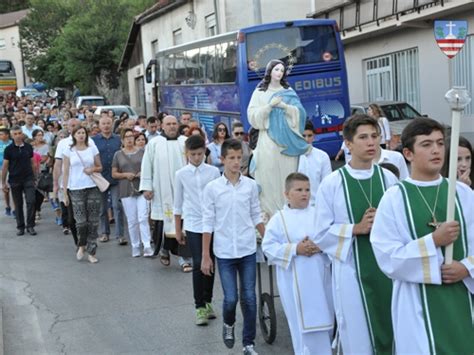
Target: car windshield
x,y
399,111
408,111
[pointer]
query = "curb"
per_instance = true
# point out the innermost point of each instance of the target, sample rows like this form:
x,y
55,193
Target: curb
x,y
1,331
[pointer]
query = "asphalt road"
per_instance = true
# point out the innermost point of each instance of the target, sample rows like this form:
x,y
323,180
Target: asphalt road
x,y
53,304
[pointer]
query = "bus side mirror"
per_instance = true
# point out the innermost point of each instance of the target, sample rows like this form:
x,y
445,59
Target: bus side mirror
x,y
148,75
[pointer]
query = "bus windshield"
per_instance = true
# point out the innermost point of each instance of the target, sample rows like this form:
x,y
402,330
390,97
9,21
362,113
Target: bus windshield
x,y
306,44
6,67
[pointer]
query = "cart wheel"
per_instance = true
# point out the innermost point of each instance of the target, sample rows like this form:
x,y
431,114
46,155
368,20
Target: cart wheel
x,y
267,318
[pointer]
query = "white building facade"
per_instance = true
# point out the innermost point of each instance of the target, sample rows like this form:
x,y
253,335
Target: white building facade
x,y
391,53
169,23
10,43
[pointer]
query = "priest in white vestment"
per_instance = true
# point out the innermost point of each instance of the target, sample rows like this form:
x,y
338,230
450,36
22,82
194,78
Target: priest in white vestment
x,y
164,155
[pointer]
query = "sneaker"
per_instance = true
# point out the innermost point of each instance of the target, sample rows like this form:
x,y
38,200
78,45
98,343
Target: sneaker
x,y
249,350
228,335
8,212
210,311
59,221
136,252
201,316
148,252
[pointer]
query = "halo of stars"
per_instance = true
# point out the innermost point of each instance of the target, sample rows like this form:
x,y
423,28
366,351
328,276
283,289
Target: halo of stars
x,y
290,61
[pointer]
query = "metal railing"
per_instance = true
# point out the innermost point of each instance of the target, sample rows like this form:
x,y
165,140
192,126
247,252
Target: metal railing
x,y
356,14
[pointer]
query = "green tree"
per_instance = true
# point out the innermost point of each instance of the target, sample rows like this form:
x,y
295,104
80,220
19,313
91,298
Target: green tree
x,y
85,40
439,32
13,5
462,32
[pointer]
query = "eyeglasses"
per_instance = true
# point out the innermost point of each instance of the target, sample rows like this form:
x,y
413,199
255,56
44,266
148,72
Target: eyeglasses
x,y
239,133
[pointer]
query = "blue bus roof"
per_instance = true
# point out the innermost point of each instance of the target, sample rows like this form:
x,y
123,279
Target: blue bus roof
x,y
282,24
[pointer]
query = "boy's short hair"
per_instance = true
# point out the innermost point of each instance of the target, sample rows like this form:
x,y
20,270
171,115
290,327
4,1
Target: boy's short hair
x,y
352,123
290,179
195,142
237,125
422,126
151,119
230,144
308,126
392,168
15,128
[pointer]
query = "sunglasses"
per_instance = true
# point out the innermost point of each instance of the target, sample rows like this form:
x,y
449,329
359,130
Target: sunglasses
x,y
308,135
221,130
239,133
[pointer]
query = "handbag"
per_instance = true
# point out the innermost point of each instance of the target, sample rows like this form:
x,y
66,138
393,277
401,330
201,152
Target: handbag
x,y
45,182
98,179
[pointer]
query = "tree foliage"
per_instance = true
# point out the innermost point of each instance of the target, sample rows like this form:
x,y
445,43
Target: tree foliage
x,y
78,42
13,5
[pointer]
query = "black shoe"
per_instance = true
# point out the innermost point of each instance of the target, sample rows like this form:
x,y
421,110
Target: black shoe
x,y
228,335
20,232
31,231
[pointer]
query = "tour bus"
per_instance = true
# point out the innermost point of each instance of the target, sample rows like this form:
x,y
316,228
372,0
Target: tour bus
x,y
214,78
7,76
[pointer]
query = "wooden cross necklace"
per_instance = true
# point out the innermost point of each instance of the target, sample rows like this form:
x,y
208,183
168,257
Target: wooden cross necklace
x,y
434,223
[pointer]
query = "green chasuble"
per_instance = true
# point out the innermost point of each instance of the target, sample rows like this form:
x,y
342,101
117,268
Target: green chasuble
x,y
447,308
375,287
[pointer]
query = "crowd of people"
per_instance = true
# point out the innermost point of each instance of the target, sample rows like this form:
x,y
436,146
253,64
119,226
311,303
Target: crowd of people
x,y
360,247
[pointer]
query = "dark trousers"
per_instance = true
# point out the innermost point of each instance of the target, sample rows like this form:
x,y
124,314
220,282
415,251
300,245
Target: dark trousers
x,y
67,215
202,284
39,198
28,189
245,267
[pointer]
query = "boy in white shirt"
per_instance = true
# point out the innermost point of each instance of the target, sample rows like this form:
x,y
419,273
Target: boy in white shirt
x,y
315,164
190,181
303,272
231,211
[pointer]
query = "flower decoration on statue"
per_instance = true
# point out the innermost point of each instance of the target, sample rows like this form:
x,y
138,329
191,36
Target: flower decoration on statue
x,y
285,54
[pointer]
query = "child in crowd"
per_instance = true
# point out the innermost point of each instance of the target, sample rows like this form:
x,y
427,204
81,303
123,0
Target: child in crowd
x,y
190,182
303,271
4,142
315,164
231,211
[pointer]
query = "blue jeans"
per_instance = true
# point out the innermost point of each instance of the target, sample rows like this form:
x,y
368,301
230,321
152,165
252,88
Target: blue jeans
x,y
246,267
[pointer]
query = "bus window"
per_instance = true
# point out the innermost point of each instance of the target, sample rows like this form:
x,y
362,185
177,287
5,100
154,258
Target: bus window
x,y
307,44
6,67
230,63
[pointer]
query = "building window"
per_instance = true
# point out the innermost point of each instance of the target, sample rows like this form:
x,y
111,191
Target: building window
x,y
177,36
3,44
462,67
211,25
394,77
140,93
154,47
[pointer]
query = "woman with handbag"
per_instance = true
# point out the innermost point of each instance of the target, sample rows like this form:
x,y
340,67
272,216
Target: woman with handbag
x,y
126,166
80,163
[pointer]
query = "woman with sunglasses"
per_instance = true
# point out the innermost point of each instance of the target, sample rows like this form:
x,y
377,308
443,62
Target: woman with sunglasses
x,y
126,167
219,135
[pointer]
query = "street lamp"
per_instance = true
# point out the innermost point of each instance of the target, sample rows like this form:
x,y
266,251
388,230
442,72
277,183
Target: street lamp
x,y
458,98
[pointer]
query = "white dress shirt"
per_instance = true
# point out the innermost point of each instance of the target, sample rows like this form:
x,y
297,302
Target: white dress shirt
x,y
395,158
232,212
190,182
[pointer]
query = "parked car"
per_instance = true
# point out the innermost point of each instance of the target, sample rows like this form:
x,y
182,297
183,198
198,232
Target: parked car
x,y
91,101
398,113
31,93
118,110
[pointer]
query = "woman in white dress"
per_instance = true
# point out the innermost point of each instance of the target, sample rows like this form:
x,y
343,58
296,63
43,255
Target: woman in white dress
x,y
276,111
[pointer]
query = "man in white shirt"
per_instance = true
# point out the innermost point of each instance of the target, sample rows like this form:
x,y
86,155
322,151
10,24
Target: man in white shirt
x,y
190,182
384,156
232,212
29,126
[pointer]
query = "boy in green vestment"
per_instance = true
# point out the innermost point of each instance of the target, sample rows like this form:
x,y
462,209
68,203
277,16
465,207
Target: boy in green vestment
x,y
431,301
